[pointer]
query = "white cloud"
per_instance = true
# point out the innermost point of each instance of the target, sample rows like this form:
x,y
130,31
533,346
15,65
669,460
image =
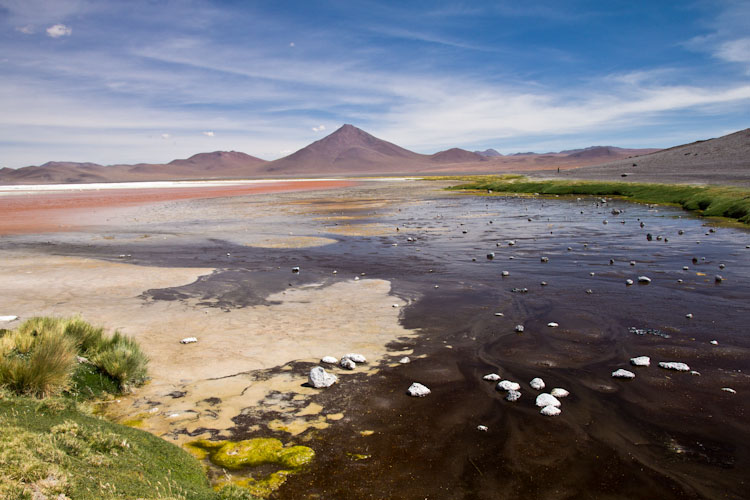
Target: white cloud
x,y
59,30
165,136
26,30
735,50
208,133
291,44
319,128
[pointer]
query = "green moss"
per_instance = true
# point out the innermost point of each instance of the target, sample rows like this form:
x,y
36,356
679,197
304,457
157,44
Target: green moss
x,y
711,201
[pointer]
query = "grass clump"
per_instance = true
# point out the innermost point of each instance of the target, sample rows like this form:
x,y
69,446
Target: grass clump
x,y
48,447
712,201
46,356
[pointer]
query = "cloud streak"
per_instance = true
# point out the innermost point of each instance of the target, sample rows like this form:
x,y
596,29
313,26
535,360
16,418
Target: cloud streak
x,y
59,30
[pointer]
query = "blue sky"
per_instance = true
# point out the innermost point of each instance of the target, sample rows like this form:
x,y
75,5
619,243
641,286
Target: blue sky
x,y
153,80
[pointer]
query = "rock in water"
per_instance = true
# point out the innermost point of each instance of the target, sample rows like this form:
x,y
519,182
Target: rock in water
x,y
405,360
507,385
674,365
640,361
347,364
513,396
330,360
552,324
550,411
418,390
729,390
492,377
559,392
623,374
644,279
319,378
537,384
546,399
357,358
188,340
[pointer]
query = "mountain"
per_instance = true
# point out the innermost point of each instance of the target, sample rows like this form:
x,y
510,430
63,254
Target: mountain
x,y
489,153
347,150
723,160
217,160
456,155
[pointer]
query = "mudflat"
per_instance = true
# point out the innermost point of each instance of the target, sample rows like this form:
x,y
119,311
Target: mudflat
x,y
394,269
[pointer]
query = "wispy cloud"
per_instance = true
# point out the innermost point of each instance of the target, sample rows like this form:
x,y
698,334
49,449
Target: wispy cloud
x,y
58,30
209,133
319,128
26,30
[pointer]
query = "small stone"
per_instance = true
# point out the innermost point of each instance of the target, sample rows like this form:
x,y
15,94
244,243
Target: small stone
x,y
491,255
632,262
685,268
722,266
347,364
537,384
673,365
605,222
570,249
511,243
718,278
628,282
505,273
546,399
714,342
680,232
499,314
729,390
482,428
545,259
592,273
679,281
513,396
319,378
552,324
644,279
689,315
357,358
188,340
543,283
693,372
589,291
519,328
418,390
640,361
559,392
611,261
335,271
295,269
550,411
405,360
623,374
356,278
329,360
491,377
507,385
394,305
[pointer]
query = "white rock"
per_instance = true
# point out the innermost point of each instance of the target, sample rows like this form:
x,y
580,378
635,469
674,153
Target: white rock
x,y
418,390
492,377
499,314
394,305
673,365
714,342
552,324
550,411
623,374
519,328
507,385
546,399
356,278
188,340
537,384
329,360
320,378
693,372
505,273
405,360
482,428
559,392
513,396
729,390
8,318
689,315
644,279
357,358
347,364
628,282
640,361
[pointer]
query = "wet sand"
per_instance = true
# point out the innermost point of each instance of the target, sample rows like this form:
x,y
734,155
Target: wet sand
x,y
662,435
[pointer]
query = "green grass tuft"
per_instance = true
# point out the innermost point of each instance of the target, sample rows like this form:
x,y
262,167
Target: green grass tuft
x,y
122,359
41,368
712,201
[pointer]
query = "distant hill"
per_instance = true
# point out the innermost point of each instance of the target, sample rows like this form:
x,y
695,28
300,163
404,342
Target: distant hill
x,y
489,153
456,155
724,160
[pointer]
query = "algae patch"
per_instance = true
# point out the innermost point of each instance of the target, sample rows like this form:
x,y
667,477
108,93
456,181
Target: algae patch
x,y
244,456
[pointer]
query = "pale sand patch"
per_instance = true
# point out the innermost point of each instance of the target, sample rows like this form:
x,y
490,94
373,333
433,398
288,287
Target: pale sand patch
x,y
301,324
292,242
361,229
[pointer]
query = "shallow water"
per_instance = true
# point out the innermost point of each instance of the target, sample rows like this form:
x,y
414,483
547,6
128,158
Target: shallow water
x,y
662,435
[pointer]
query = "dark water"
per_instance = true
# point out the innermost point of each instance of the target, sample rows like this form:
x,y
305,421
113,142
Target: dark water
x,y
662,435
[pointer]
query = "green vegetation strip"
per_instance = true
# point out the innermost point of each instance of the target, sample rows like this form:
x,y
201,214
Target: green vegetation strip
x,y
711,201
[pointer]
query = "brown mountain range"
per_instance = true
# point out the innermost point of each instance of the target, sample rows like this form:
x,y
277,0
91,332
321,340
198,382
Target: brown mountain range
x,y
347,151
